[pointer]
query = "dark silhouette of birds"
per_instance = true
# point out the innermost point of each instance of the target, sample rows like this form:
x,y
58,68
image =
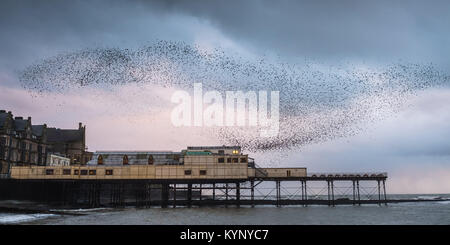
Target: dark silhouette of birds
x,y
318,102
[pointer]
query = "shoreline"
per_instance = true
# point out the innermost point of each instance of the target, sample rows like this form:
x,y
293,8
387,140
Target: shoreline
x,y
33,208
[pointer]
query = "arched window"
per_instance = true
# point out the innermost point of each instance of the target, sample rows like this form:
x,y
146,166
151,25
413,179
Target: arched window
x,y
125,160
100,160
150,160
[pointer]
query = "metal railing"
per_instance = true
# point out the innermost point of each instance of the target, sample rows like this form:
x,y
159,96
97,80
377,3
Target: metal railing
x,y
348,174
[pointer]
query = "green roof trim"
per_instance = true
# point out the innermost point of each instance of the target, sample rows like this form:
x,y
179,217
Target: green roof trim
x,y
196,153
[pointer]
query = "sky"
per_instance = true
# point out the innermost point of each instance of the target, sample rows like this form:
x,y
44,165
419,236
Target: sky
x,y
411,145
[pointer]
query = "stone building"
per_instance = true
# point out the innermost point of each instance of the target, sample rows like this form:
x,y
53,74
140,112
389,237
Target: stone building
x,y
22,143
70,143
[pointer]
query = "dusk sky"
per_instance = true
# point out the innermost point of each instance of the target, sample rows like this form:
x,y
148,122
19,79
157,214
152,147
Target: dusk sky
x,y
412,144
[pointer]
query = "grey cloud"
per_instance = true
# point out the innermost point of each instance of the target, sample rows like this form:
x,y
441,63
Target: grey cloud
x,y
381,30
384,31
31,30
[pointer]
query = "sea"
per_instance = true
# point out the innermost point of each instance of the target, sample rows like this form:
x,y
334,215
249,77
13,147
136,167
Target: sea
x,y
433,212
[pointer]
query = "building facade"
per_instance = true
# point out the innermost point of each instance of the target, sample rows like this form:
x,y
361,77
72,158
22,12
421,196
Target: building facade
x,y
70,143
22,143
206,154
57,160
214,162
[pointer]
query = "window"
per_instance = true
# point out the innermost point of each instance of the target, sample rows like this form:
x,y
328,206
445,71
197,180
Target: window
x,y
235,160
109,172
84,172
76,172
228,160
66,171
221,152
243,160
49,172
92,172
150,160
288,173
100,160
221,160
187,172
202,172
125,160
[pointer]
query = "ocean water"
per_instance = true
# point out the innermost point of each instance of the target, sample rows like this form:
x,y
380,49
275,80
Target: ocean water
x,y
413,213
14,218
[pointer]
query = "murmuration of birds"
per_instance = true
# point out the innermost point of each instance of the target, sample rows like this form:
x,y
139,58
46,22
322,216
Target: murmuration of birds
x,y
318,102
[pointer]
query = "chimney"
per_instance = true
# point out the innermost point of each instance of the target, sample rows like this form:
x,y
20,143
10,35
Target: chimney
x,y
18,118
80,125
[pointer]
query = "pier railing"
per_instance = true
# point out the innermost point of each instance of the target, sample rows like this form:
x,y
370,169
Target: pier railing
x,y
347,174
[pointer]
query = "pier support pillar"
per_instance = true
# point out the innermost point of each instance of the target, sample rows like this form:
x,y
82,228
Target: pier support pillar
x,y
174,195
379,193
301,186
306,194
164,195
332,192
98,191
63,194
384,191
238,194
303,192
111,194
358,193
354,193
149,197
278,188
189,195
122,195
252,192
329,193
226,194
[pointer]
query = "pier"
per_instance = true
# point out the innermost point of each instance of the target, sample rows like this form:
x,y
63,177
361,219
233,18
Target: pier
x,y
313,189
196,176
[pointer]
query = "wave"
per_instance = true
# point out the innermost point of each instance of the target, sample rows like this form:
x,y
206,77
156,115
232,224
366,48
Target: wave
x,y
79,210
428,198
20,218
